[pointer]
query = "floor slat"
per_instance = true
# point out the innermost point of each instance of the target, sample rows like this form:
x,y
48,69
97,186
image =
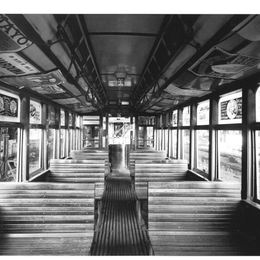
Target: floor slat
x,y
119,232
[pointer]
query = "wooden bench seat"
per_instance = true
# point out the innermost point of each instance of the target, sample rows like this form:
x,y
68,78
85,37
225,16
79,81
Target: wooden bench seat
x,y
174,170
147,156
194,218
89,154
79,171
46,218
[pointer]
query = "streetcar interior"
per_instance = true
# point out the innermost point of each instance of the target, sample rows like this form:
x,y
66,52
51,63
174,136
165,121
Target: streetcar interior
x,y
187,86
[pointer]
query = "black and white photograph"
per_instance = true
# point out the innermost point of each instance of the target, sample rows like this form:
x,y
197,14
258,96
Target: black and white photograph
x,y
130,128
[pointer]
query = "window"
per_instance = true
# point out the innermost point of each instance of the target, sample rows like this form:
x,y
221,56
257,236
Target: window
x,y
230,108
62,143
150,136
203,150
51,133
186,116
140,136
35,112
258,163
258,105
173,145
35,149
166,141
203,113
9,136
230,155
257,144
50,145
62,117
175,118
8,153
186,144
35,136
159,138
70,139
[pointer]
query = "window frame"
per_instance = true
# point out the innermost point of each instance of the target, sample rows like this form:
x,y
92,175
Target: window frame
x,y
40,126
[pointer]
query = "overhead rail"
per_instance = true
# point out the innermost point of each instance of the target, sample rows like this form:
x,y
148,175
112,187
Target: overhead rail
x,y
173,34
160,85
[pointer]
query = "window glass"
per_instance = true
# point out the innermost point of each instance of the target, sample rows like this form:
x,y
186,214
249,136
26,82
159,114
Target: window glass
x,y
258,162
70,119
186,144
8,153
77,123
62,142
175,118
186,116
51,115
50,145
230,155
203,113
140,136
258,105
62,117
162,139
159,139
91,136
161,121
203,150
35,112
35,149
230,108
174,143
166,140
77,139
149,136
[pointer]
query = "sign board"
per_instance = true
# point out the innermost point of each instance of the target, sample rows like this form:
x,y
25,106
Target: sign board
x,y
203,113
12,38
45,84
91,120
35,112
49,90
146,120
230,108
52,78
12,64
119,119
9,107
218,63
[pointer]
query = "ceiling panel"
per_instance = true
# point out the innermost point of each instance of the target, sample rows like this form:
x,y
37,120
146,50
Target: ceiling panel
x,y
117,52
129,23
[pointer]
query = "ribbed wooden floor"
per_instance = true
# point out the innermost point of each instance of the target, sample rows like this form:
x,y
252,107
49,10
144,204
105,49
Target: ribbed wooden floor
x,y
118,232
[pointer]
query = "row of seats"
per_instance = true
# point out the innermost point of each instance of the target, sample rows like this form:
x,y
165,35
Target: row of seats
x,y
196,218
189,217
46,218
57,216
148,166
79,171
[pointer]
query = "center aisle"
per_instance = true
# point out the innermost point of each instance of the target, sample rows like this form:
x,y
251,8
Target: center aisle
x,y
118,232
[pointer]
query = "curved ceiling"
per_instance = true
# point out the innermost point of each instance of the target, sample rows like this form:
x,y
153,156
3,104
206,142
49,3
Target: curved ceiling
x,y
91,63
